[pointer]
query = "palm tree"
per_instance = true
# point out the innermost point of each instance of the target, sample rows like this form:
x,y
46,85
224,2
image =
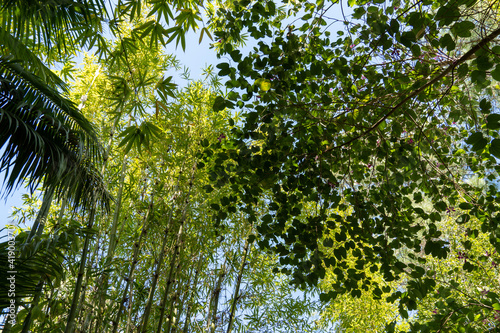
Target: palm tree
x,y
43,135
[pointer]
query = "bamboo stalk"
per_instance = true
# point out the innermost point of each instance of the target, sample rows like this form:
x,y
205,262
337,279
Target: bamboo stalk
x,y
184,290
102,285
147,310
50,302
113,241
129,317
95,255
215,298
171,318
70,327
137,249
170,281
191,294
176,253
237,287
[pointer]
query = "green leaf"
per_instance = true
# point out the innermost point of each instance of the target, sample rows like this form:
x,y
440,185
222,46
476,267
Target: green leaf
x,y
495,148
415,50
340,237
325,297
340,253
468,266
496,73
219,103
483,63
225,69
328,242
464,218
485,106
326,100
263,84
493,121
478,146
463,29
477,141
356,293
465,206
448,42
474,138
478,76
463,70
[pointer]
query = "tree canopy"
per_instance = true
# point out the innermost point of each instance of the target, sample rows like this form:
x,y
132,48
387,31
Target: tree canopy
x,y
398,109
345,149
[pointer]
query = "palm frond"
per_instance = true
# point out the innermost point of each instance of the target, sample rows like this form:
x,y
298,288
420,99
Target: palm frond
x,y
52,23
84,186
40,259
45,137
31,62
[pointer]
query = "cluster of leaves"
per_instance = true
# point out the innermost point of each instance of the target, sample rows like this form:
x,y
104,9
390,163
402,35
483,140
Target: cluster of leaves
x,y
392,112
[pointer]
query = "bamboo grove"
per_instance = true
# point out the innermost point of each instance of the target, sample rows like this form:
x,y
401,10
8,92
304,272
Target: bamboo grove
x,y
336,171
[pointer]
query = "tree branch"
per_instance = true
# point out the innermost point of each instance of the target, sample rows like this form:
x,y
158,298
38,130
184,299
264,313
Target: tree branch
x,y
449,69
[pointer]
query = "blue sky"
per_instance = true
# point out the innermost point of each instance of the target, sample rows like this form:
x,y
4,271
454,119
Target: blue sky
x,y
13,199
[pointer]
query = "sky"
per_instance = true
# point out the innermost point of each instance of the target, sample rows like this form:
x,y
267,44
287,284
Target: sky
x,y
14,199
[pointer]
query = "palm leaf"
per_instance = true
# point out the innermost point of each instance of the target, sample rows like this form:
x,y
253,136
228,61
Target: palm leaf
x,y
52,23
40,259
84,186
45,138
31,62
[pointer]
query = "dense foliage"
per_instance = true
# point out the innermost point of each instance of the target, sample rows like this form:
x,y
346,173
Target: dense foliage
x,y
345,179
398,109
